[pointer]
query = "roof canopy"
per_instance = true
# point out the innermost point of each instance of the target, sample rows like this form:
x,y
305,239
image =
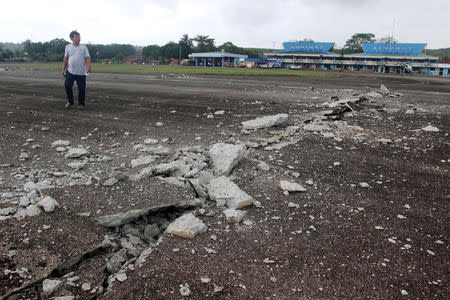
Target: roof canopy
x,y
217,54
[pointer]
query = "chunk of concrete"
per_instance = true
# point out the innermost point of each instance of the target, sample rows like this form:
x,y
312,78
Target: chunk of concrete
x,y
29,186
187,226
316,126
234,215
266,121
384,90
49,286
116,261
224,157
29,211
76,152
48,204
430,128
144,160
77,164
151,231
375,94
145,172
291,186
60,143
225,192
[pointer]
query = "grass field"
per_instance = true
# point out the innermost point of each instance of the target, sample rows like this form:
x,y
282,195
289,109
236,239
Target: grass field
x,y
164,69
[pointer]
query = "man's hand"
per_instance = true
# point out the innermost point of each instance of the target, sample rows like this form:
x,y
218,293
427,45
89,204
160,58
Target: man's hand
x,y
63,73
88,63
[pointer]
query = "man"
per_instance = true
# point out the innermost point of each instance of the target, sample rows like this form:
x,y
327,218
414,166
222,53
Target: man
x,y
78,61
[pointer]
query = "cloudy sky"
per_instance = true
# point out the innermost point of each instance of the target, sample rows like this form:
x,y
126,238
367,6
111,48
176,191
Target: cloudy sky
x,y
246,23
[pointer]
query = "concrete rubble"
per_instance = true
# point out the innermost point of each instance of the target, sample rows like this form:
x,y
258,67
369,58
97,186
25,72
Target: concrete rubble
x,y
226,193
138,210
224,157
187,226
233,215
289,186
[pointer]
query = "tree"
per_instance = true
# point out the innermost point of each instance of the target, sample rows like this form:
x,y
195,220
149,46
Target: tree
x,y
387,40
151,51
354,43
204,43
186,45
170,50
307,40
230,47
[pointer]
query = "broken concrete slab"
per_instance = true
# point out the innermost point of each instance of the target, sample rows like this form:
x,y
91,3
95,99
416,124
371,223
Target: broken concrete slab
x,y
111,207
266,121
131,215
224,157
289,186
225,192
187,226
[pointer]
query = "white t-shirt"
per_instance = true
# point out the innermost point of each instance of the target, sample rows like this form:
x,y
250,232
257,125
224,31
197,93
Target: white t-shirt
x,y
77,58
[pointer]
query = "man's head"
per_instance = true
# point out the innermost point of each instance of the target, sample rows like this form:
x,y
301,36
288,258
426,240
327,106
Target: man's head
x,y
75,37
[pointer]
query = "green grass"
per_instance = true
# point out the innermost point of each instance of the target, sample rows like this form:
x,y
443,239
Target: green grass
x,y
164,69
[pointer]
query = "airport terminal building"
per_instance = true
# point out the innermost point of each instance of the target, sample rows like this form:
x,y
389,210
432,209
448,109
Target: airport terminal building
x,y
377,57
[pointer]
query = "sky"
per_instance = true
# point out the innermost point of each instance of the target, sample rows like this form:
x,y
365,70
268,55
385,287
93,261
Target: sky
x,y
245,23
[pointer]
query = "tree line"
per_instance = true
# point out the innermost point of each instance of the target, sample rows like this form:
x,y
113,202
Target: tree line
x,y
54,50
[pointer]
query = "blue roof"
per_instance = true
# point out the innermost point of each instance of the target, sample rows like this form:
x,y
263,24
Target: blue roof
x,y
405,49
390,54
308,47
302,52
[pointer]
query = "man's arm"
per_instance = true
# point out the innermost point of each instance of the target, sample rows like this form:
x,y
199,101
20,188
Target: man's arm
x,y
65,63
88,63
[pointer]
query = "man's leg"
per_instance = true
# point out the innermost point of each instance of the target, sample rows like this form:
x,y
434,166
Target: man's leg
x,y
81,83
68,84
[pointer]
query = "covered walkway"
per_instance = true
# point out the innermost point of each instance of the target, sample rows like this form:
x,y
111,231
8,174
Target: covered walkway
x,y
216,59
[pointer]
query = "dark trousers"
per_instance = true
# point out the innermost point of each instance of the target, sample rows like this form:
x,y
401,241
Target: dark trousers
x,y
81,83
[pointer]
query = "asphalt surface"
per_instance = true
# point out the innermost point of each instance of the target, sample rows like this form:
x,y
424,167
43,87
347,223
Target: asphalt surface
x,y
341,239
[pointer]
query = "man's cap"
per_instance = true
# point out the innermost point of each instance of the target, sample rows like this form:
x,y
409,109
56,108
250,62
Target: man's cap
x,y
73,33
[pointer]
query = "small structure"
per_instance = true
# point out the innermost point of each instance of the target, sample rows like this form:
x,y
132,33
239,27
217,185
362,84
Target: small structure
x,y
216,59
137,58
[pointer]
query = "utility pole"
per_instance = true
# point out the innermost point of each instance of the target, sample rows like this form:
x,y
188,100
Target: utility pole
x,y
179,60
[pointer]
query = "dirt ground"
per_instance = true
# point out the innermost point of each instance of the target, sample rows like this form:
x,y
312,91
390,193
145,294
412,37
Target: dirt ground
x,y
372,224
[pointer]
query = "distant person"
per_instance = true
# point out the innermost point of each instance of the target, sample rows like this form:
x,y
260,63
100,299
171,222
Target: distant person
x,y
76,66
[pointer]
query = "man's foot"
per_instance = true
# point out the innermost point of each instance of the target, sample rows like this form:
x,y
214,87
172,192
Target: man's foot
x,y
68,105
81,107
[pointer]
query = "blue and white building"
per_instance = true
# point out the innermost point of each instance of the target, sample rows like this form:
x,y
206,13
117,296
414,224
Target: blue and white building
x,y
377,57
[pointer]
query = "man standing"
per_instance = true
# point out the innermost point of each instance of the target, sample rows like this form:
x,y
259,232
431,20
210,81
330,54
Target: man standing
x,y
78,61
